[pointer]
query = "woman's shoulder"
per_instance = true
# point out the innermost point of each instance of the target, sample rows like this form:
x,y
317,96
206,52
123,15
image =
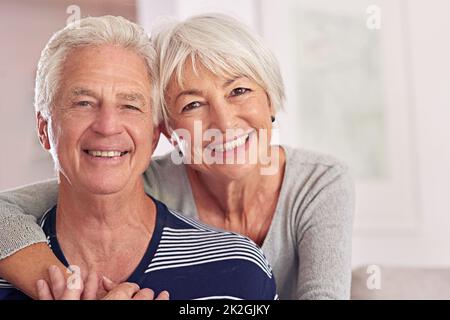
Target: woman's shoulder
x,y
311,172
318,189
301,158
164,161
163,168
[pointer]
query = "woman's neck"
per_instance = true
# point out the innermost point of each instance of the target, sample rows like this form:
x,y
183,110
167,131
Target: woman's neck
x,y
245,206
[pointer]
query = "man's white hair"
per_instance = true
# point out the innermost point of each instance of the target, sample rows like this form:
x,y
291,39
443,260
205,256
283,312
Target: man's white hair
x,y
91,31
224,45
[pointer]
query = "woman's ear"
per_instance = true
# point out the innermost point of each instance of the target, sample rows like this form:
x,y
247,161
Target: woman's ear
x,y
42,126
269,103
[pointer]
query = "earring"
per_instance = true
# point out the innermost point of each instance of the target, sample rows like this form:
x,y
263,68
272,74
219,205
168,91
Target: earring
x,y
272,118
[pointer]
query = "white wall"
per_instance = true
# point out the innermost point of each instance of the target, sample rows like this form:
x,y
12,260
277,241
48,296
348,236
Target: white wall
x,y
429,72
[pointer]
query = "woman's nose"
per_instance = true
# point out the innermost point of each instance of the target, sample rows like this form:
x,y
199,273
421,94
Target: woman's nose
x,y
222,115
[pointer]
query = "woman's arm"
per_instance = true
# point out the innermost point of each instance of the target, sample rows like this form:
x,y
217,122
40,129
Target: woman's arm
x,y
325,238
19,209
24,268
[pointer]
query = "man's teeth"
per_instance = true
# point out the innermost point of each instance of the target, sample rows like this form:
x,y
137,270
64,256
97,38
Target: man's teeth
x,y
106,154
232,144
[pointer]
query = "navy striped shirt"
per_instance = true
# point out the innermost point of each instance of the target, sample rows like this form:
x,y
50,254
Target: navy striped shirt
x,y
189,259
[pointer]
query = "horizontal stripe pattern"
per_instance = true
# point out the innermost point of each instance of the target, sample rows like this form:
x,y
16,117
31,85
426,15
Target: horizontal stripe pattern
x,y
203,244
5,284
218,298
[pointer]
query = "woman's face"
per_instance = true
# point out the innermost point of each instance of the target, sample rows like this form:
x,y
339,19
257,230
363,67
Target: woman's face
x,y
225,123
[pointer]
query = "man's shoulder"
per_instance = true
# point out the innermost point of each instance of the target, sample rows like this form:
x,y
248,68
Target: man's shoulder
x,y
207,242
219,263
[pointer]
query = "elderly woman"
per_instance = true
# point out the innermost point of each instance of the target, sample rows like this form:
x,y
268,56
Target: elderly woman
x,y
216,79
95,116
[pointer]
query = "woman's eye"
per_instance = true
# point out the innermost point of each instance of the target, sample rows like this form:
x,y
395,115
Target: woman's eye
x,y
239,91
192,105
131,107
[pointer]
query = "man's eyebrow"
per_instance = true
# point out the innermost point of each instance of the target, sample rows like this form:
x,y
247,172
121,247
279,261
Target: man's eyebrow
x,y
79,91
131,96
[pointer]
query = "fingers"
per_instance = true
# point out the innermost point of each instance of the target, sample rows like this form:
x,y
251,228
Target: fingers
x,y
62,289
43,289
58,288
163,295
108,284
126,290
74,287
91,287
57,282
123,291
144,294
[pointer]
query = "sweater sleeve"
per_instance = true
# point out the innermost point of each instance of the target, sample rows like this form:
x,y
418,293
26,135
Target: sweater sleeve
x,y
19,210
324,241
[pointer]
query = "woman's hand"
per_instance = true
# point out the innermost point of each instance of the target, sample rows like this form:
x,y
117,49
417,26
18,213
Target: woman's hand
x,y
130,291
75,289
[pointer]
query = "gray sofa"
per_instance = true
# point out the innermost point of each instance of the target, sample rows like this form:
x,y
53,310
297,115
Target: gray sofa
x,y
402,283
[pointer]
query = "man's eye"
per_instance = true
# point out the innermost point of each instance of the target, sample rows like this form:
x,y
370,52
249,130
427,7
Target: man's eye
x,y
239,91
84,103
190,106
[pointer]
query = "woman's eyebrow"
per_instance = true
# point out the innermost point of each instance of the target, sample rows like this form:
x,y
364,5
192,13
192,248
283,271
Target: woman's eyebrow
x,y
189,92
230,81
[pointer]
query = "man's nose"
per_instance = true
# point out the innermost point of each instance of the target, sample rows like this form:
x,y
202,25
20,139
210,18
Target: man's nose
x,y
107,121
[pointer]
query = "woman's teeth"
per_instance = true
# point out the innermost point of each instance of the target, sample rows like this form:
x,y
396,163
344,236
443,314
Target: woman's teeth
x,y
106,154
232,144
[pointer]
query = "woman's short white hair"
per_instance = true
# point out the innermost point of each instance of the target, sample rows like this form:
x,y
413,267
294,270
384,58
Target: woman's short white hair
x,y
91,31
221,43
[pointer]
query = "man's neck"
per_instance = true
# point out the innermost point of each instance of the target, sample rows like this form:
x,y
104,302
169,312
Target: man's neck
x,y
96,232
86,210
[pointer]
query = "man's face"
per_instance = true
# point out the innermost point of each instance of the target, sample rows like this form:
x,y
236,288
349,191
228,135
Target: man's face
x,y
100,130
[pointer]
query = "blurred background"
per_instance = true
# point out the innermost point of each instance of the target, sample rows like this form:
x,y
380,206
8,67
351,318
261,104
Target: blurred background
x,y
367,81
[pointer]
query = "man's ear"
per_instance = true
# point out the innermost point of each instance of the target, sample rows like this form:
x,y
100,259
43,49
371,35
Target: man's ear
x,y
164,131
156,135
42,126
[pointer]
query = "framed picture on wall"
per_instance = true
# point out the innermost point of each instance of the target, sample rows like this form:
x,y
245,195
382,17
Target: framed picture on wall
x,y
348,95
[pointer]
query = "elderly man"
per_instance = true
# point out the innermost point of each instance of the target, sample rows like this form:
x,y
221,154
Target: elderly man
x,y
94,115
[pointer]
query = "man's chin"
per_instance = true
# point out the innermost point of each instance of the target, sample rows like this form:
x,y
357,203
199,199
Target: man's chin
x,y
104,187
